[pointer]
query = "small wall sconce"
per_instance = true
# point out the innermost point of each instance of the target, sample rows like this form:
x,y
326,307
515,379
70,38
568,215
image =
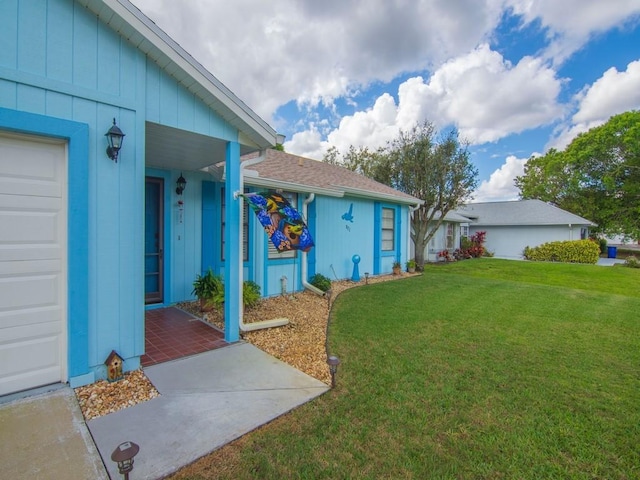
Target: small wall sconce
x,y
333,363
123,456
114,137
180,184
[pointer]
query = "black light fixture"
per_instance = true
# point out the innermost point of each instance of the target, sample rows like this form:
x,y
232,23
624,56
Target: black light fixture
x,y
114,137
333,363
180,184
123,456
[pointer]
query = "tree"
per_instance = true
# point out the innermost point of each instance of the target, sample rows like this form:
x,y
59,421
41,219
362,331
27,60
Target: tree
x,y
360,160
597,176
438,172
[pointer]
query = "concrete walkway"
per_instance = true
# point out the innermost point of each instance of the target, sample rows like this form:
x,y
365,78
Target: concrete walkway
x,y
45,437
205,402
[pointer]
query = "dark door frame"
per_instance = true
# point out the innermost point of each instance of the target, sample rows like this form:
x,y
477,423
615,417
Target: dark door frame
x,y
155,296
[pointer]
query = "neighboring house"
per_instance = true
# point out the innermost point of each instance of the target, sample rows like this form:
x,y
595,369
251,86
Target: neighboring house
x,y
85,240
512,226
88,243
448,235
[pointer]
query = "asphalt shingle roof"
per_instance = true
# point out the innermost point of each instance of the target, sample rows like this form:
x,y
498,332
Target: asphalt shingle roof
x,y
313,174
521,212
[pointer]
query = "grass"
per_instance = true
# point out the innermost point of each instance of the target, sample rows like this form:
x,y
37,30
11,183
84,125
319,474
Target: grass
x,y
478,369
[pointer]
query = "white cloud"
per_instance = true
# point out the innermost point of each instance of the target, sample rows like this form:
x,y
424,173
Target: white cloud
x,y
572,23
480,93
485,96
613,93
270,53
500,186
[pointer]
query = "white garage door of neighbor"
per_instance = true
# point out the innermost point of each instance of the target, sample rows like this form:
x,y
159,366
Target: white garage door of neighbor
x,y
33,262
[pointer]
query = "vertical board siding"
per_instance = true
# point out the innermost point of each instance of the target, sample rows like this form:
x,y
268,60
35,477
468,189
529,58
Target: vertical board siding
x,y
32,41
335,243
8,34
59,61
85,47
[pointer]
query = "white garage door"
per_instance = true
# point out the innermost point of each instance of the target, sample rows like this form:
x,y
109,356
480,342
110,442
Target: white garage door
x,y
33,263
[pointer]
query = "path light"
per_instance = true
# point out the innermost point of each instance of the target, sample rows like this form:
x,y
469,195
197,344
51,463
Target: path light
x,y
333,363
123,456
366,278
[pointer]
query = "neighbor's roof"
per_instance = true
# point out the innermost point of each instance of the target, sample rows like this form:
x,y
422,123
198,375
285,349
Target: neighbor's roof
x,y
126,19
520,212
291,172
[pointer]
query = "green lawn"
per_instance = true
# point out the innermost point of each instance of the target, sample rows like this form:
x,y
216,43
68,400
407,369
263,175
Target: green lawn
x,y
478,369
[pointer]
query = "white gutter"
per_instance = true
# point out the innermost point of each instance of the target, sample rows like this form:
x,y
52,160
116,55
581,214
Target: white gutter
x,y
276,322
303,267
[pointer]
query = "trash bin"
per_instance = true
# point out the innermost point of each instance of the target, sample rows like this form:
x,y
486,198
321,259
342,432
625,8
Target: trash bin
x,y
612,252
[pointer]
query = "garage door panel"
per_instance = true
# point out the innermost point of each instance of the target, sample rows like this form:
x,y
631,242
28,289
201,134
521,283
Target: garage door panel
x,y
23,336
30,316
29,227
30,267
33,239
29,253
28,166
24,292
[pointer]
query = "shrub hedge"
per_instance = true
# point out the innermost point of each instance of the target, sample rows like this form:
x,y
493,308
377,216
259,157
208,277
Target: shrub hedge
x,y
570,251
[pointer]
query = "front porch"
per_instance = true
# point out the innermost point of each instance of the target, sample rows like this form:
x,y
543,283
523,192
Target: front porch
x,y
171,333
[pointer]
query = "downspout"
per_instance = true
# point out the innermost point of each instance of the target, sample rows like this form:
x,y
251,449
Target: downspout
x,y
276,322
303,267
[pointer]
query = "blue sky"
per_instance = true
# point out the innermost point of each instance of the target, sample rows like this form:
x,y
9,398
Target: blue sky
x,y
515,77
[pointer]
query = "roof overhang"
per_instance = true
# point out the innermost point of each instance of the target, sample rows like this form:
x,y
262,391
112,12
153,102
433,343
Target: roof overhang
x,y
126,19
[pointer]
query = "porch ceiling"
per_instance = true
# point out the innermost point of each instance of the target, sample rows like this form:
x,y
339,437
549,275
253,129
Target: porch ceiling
x,y
175,149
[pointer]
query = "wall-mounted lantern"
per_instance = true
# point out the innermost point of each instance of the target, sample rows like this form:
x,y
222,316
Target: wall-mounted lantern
x,y
180,184
114,137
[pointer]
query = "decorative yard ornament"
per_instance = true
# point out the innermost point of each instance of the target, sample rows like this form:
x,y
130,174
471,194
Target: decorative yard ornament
x,y
282,223
114,367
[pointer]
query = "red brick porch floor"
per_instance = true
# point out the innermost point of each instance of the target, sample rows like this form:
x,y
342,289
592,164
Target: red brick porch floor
x,y
171,333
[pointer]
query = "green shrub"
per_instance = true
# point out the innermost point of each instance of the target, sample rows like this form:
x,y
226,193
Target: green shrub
x,y
632,262
321,282
250,294
603,244
570,251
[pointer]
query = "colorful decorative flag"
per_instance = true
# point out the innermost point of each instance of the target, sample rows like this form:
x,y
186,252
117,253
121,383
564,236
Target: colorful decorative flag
x,y
282,223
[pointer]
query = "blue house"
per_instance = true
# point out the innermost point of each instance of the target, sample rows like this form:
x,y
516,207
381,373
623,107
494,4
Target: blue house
x,y
92,236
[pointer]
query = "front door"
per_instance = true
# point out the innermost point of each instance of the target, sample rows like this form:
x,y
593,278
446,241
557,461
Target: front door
x,y
153,240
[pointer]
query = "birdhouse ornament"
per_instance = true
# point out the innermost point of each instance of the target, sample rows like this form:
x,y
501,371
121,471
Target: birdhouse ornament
x,y
114,367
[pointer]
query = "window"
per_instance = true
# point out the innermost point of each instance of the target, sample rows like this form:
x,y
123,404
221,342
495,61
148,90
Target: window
x,y
274,254
388,229
464,231
245,227
451,237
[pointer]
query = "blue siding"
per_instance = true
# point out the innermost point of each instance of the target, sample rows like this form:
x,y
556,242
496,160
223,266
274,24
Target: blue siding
x,y
72,72
337,240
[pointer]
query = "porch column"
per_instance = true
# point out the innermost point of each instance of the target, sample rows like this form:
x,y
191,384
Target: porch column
x,y
232,273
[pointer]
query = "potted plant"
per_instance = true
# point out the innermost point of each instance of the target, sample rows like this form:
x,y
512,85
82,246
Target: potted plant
x,y
411,265
209,289
397,268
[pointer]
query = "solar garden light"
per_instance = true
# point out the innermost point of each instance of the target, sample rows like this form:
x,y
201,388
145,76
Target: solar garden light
x,y
333,363
366,278
123,456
